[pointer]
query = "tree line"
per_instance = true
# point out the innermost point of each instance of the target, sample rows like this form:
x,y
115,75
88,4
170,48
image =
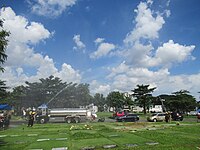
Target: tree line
x,y
56,93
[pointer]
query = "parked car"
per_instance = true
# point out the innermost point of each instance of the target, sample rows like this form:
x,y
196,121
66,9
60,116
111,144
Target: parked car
x,y
118,114
156,117
128,118
121,113
176,116
192,113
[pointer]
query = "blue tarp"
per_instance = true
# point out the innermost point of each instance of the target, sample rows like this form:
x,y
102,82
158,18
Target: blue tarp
x,y
5,107
43,106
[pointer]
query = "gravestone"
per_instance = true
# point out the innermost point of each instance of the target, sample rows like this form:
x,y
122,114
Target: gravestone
x,y
61,139
88,148
109,146
131,145
39,140
60,148
152,143
32,134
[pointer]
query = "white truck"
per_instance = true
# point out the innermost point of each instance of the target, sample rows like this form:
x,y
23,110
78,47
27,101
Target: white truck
x,y
69,115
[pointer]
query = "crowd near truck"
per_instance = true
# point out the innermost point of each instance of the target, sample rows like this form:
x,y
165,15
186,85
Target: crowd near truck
x,y
69,115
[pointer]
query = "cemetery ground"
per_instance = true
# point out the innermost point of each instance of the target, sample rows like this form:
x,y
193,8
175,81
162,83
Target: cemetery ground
x,y
103,135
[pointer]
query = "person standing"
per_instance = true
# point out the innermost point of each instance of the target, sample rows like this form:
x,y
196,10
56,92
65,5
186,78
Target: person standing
x,y
167,117
31,118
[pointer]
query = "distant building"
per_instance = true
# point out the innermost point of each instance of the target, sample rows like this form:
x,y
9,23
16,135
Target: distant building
x,y
156,108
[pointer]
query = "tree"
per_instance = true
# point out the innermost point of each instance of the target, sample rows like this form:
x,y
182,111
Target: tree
x,y
180,101
3,92
3,44
116,99
44,91
54,92
17,98
143,96
100,101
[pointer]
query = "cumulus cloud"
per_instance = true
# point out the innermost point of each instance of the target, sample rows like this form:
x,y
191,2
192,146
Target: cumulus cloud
x,y
96,87
79,44
125,78
140,55
102,50
68,74
147,26
21,53
99,40
23,34
172,52
51,7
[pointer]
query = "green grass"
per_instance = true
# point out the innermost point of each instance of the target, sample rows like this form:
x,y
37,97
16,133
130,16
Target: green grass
x,y
167,136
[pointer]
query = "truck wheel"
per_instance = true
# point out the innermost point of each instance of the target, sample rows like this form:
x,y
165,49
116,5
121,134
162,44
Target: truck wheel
x,y
76,120
42,121
69,120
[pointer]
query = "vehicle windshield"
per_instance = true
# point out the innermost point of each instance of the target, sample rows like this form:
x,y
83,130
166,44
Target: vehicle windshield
x,y
153,114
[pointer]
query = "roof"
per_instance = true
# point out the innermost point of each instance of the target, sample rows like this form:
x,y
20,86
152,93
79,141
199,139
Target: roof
x,y
43,106
5,107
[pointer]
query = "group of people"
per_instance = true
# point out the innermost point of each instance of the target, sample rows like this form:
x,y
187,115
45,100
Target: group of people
x,y
29,114
31,118
5,117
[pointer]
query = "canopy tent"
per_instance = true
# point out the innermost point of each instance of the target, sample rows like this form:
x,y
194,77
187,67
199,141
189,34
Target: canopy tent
x,y
5,107
43,106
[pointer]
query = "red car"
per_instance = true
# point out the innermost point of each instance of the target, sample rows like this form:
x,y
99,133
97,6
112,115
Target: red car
x,y
118,114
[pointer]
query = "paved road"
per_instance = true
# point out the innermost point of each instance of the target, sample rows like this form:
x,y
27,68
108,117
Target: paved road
x,y
15,123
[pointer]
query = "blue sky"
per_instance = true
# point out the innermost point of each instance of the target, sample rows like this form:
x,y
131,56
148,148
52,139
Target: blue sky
x,y
110,44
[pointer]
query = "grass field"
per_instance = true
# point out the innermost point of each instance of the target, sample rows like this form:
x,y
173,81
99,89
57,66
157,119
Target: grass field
x,y
139,135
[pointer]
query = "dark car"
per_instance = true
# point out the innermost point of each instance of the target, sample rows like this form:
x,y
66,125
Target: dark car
x,y
128,118
177,116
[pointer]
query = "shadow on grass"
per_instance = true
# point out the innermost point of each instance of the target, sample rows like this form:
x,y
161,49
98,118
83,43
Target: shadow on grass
x,y
2,143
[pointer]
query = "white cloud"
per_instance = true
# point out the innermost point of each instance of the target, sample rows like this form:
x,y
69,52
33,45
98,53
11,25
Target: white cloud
x,y
102,50
169,53
96,87
21,53
125,78
167,13
79,44
119,69
147,26
23,34
21,29
172,52
68,74
99,40
51,7
138,54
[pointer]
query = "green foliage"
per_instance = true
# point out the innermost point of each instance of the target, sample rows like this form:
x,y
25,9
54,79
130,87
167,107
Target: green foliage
x,y
51,91
143,96
180,101
100,101
3,88
3,44
117,100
